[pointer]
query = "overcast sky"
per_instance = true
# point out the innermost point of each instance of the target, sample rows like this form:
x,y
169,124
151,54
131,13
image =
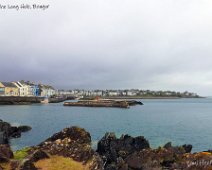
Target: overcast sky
x,y
110,44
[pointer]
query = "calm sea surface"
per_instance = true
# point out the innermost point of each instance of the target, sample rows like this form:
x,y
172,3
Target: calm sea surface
x,y
182,121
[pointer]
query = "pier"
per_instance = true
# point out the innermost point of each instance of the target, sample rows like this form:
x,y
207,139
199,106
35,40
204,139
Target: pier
x,y
103,103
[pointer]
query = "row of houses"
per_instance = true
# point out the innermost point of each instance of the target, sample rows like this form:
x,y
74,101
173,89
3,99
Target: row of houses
x,y
22,88
99,92
126,92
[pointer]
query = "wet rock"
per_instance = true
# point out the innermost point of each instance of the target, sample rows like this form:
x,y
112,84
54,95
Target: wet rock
x,y
5,153
4,132
24,128
7,131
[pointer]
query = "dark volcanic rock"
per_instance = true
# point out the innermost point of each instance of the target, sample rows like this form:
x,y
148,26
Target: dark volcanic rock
x,y
14,132
168,145
134,102
24,128
112,149
187,148
3,138
5,153
178,149
134,153
7,131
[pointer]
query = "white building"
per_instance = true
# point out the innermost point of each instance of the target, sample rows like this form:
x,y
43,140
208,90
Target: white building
x,y
131,93
112,93
23,88
47,91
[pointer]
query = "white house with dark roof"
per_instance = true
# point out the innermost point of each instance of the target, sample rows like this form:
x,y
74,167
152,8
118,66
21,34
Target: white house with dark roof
x,y
23,88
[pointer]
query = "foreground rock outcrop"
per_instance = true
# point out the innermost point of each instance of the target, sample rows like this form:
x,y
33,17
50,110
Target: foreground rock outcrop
x,y
128,153
113,150
70,149
74,143
5,153
7,131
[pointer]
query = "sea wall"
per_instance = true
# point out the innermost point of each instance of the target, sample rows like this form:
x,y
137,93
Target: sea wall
x,y
10,100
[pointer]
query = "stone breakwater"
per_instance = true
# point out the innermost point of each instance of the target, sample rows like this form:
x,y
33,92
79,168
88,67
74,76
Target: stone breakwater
x,y
17,100
71,149
104,103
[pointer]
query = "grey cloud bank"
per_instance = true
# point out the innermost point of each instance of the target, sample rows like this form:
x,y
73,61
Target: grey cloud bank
x,y
154,44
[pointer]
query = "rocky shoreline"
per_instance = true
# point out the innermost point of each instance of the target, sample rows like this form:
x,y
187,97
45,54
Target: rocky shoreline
x,y
70,149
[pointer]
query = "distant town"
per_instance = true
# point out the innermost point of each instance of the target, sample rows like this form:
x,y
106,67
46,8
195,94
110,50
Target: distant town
x,y
130,93
27,88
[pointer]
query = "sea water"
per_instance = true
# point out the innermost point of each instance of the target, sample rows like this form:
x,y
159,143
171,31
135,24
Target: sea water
x,y
181,121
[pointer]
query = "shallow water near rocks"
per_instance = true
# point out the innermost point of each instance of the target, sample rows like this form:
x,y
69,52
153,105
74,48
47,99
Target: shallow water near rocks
x,y
182,121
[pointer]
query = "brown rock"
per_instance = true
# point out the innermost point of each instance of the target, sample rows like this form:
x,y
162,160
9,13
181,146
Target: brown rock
x,y
27,165
134,161
38,155
5,153
14,165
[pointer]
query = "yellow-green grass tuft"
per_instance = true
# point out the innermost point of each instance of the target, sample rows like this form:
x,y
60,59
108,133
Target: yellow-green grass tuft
x,y
21,154
60,163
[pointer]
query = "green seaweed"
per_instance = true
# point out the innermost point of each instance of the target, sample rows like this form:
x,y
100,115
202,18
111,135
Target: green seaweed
x,y
21,154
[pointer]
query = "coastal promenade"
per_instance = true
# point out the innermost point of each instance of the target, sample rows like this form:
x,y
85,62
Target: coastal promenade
x,y
18,100
12,100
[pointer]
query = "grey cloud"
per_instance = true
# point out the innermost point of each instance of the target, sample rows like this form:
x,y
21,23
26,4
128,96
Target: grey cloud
x,y
155,44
